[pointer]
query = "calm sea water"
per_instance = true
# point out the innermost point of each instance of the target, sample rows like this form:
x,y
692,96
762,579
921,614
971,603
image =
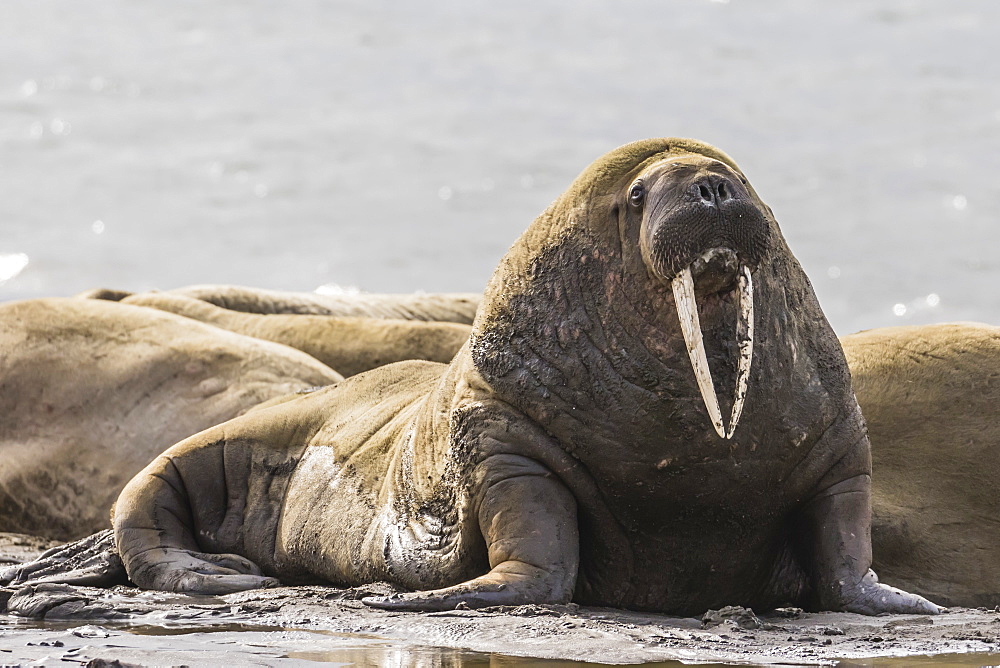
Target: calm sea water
x,y
402,146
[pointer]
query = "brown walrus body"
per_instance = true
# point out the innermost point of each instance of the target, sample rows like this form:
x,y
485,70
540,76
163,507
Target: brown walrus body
x,y
575,448
91,391
348,344
930,396
435,307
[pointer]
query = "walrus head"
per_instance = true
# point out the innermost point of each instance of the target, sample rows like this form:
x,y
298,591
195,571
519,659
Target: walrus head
x,y
702,232
653,263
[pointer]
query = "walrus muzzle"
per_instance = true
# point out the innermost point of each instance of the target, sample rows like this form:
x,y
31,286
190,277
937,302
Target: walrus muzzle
x,y
701,221
687,312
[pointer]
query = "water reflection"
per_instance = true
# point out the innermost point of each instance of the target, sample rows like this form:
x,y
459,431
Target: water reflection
x,y
253,644
437,657
441,657
11,265
931,301
940,661
60,127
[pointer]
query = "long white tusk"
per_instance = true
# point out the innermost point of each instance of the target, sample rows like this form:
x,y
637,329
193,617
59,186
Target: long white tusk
x,y
746,348
687,312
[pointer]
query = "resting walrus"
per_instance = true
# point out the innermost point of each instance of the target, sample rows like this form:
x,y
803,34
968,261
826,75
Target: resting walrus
x,y
91,391
122,383
576,447
930,397
457,307
348,344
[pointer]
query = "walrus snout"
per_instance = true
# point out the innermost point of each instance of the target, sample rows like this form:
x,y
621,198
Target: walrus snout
x,y
716,271
703,231
692,205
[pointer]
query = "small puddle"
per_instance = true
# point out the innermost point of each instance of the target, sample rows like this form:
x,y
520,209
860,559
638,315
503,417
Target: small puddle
x,y
439,657
442,657
179,630
937,660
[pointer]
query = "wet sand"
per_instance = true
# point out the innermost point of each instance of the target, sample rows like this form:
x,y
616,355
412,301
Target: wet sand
x,y
317,623
66,625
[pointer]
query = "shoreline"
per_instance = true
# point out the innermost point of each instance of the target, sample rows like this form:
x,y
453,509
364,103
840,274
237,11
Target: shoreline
x,y
289,624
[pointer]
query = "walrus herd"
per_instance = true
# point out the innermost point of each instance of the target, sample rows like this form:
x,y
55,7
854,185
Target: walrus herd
x,y
647,409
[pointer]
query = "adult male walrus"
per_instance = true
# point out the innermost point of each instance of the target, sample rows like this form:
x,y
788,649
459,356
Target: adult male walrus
x,y
575,447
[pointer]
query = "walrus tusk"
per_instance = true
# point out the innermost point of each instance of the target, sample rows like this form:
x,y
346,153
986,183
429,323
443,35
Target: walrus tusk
x,y
746,348
687,313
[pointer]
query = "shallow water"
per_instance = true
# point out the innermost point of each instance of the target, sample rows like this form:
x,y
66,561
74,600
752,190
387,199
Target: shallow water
x,y
440,658
248,644
399,147
941,661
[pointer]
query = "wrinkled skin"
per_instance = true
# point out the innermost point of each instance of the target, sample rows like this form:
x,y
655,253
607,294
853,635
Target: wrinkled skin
x,y
445,307
930,396
91,391
567,450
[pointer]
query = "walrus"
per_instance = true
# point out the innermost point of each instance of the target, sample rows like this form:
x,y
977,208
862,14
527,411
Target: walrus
x,y
930,397
457,307
348,344
91,391
575,448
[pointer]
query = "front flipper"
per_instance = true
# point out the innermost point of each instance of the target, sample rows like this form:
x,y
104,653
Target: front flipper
x,y
530,527
202,573
193,489
92,561
839,523
189,571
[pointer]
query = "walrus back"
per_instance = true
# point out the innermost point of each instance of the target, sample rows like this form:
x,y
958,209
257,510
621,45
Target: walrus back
x,y
929,395
91,391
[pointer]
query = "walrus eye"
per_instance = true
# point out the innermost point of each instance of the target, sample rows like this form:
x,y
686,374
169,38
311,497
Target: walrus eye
x,y
637,193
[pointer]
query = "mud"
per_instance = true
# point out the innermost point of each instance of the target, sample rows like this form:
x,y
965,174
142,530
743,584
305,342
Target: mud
x,y
16,548
67,625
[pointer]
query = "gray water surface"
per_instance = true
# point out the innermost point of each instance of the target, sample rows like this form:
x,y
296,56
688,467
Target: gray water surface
x,y
402,146
55,643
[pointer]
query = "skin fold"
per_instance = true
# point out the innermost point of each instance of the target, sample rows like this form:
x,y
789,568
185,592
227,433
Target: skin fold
x,y
566,451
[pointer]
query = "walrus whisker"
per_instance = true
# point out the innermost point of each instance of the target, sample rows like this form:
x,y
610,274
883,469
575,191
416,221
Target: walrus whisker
x,y
746,347
687,313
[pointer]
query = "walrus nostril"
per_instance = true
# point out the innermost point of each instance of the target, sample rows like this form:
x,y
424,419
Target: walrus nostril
x,y
714,190
723,191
